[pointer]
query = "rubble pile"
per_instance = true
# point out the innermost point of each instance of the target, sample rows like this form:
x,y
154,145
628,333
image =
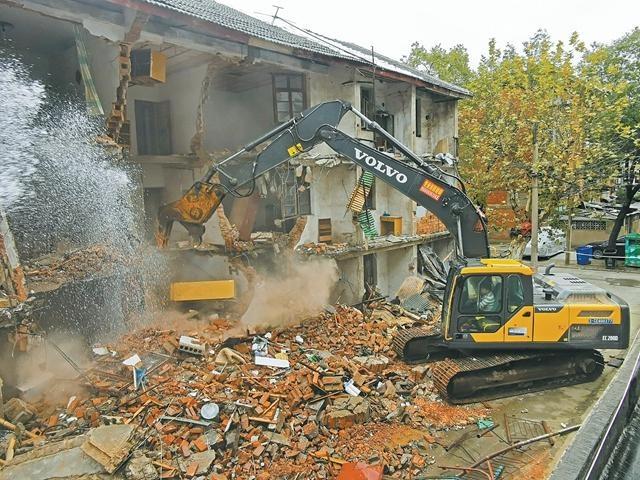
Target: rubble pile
x,y
211,399
73,265
337,249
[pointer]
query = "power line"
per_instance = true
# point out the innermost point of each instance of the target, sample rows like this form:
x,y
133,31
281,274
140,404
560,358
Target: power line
x,y
321,38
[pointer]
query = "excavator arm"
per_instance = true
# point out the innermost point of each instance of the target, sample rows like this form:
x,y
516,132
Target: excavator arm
x,y
412,176
199,203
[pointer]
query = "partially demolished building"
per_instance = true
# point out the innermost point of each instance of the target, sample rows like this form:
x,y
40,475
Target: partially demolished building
x,y
183,83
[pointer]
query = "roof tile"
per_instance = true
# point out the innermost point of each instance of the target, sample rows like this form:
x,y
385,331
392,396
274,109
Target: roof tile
x,y
214,12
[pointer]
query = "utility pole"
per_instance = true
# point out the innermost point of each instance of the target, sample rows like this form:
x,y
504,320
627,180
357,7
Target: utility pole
x,y
534,201
567,248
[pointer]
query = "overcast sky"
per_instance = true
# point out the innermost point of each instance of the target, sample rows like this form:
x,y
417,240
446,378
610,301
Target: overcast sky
x,y
391,26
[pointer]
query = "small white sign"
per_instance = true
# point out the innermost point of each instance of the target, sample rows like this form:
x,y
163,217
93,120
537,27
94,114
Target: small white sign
x,y
518,331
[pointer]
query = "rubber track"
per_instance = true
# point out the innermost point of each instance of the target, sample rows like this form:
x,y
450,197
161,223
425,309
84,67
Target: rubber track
x,y
403,337
443,372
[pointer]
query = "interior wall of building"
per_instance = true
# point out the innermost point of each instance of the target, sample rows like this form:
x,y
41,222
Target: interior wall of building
x,y
330,192
393,268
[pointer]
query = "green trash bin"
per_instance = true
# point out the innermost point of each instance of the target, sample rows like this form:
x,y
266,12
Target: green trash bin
x,y
632,250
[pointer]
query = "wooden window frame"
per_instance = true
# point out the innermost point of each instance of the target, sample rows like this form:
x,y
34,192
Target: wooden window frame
x,y
289,90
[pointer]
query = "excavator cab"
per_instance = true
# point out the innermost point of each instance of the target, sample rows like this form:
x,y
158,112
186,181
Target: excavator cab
x,y
491,302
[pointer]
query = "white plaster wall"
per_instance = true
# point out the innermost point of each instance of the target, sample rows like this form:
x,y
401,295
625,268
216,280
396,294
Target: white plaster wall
x,y
442,123
234,119
389,200
338,84
330,191
398,100
393,268
103,58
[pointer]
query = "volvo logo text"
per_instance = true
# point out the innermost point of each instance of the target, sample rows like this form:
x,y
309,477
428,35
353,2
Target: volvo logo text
x,y
381,167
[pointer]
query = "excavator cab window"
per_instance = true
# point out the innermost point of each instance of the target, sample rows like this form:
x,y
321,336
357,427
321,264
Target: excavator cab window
x,y
481,304
515,293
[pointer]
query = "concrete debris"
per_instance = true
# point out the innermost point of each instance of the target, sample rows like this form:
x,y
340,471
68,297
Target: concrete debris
x,y
140,467
373,363
191,345
229,356
203,460
109,445
55,460
346,412
342,398
271,362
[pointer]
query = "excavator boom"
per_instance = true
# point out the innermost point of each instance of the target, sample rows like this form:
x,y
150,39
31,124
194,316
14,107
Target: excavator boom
x,y
412,176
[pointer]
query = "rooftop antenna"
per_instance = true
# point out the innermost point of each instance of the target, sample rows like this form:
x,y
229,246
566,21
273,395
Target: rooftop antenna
x,y
275,15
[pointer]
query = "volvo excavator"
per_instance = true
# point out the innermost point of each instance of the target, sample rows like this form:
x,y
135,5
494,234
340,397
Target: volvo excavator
x,y
504,329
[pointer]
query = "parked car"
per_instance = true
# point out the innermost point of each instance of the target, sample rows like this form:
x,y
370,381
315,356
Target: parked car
x,y
551,241
599,247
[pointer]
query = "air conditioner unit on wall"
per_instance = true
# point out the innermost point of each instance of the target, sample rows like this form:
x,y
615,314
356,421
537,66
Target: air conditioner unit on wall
x,y
148,67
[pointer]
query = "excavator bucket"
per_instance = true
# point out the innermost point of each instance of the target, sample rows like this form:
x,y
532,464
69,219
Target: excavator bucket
x,y
192,210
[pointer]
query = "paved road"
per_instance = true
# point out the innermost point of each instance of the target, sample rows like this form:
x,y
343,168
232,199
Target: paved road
x,y
562,406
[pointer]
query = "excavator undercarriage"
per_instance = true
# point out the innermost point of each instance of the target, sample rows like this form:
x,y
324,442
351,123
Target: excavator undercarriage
x,y
463,377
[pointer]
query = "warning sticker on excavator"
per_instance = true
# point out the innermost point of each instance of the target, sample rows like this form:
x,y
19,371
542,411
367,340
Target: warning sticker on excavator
x,y
295,150
432,190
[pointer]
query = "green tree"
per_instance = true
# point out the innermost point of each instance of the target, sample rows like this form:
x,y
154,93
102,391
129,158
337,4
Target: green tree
x,y
619,64
542,87
450,65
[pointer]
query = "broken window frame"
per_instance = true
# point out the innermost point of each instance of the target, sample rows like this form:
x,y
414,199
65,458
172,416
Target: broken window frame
x,y
288,90
366,102
294,202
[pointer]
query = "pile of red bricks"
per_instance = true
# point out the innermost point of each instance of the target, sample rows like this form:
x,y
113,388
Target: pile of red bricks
x,y
343,388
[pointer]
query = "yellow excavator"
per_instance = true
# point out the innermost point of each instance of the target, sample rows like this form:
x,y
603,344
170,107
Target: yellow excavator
x,y
505,329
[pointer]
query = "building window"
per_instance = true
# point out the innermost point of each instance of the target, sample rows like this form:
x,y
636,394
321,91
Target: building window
x,y
482,294
289,96
589,225
418,117
153,128
366,100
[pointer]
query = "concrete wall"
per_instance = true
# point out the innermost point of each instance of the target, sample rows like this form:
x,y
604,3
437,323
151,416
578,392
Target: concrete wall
x,y
330,191
393,268
389,200
338,84
399,100
441,124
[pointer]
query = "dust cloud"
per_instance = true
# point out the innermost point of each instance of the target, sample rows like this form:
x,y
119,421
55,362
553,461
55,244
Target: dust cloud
x,y
44,374
301,291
